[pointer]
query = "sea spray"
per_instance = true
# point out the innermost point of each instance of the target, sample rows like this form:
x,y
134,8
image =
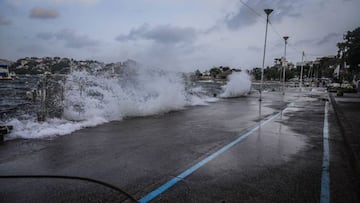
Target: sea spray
x,y
239,84
32,129
139,93
94,98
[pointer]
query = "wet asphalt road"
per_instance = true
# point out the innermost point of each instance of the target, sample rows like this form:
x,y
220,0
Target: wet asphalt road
x,y
280,162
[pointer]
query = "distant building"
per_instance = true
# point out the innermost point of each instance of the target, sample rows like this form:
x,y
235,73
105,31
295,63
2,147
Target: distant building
x,y
4,71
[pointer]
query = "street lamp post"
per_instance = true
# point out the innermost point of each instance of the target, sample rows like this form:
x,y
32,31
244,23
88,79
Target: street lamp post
x,y
284,64
302,67
267,11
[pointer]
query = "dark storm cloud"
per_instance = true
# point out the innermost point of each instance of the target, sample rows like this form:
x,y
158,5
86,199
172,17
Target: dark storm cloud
x,y
71,38
43,13
329,38
164,34
248,15
169,34
4,21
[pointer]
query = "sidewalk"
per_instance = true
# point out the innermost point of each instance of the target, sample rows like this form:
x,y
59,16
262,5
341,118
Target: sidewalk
x,y
347,109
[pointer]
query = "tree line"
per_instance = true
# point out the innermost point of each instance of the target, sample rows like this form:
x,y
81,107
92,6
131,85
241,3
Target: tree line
x,y
347,59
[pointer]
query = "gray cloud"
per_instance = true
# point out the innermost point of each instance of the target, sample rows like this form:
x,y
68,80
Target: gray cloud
x,y
285,8
77,1
254,48
31,48
71,39
328,38
241,18
246,16
304,42
4,21
134,34
164,34
43,13
45,35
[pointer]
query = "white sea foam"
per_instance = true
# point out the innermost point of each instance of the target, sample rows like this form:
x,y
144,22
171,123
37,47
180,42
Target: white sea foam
x,y
92,99
239,85
142,93
32,129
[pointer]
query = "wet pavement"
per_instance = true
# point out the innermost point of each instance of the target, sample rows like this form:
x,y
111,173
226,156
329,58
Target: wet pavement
x,y
279,161
347,109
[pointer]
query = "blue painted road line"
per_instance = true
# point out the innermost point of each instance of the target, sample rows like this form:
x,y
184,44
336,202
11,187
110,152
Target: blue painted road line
x,y
190,170
325,177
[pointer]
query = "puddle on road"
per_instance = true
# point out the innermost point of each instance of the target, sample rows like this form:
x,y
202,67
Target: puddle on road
x,y
278,140
291,132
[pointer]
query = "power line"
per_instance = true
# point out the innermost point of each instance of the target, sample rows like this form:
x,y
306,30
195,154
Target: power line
x,y
276,32
262,17
273,28
253,10
294,48
289,44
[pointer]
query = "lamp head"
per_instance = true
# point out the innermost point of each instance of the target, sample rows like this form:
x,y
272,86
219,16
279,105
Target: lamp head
x,y
268,11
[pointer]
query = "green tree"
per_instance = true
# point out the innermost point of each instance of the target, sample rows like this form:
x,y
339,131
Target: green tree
x,y
327,66
214,71
256,72
349,50
198,74
271,73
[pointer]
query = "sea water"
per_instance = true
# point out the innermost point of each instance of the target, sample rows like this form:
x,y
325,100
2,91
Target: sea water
x,y
92,98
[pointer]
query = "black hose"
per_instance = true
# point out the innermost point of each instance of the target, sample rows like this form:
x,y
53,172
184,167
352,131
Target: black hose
x,y
72,178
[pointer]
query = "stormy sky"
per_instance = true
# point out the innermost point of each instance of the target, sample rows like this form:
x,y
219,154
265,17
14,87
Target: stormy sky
x,y
174,34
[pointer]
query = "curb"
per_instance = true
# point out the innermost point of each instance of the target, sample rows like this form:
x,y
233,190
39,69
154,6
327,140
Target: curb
x,y
352,144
